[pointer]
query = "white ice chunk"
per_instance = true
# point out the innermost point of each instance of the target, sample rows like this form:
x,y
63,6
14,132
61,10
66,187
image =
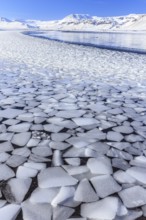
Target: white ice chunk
x,y
67,106
133,138
54,120
67,124
59,145
53,128
6,147
115,111
22,127
11,122
64,194
99,147
3,128
25,172
75,152
2,203
6,136
25,152
42,151
138,173
131,215
85,192
94,133
55,177
120,163
119,145
107,124
57,158
36,166
43,195
119,154
133,197
37,159
39,120
9,212
100,165
62,213
123,177
21,139
105,185
10,113
26,117
114,136
6,172
33,142
85,121
36,127
139,161
122,210
70,113
15,160
73,161
74,170
105,209
123,129
98,107
36,211
3,157
19,188
80,142
59,136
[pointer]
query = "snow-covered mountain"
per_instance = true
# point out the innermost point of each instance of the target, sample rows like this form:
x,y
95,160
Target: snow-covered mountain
x,y
6,24
2,19
81,22
94,23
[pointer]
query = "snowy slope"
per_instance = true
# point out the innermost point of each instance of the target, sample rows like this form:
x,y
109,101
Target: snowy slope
x,y
6,24
81,22
94,23
130,22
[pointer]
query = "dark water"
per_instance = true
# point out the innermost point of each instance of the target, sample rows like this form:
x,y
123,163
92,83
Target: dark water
x,y
134,42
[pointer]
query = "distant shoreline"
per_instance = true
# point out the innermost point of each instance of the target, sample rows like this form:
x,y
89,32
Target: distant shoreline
x,y
120,49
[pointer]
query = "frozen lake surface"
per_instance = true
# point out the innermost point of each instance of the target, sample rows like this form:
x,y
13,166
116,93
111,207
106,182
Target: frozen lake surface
x,y
124,41
72,131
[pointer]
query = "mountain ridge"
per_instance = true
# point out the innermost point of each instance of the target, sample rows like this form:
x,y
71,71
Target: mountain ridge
x,y
80,22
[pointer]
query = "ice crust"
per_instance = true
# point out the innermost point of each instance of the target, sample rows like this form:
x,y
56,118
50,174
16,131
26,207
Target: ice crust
x,y
72,132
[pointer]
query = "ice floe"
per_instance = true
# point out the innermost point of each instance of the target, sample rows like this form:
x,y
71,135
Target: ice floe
x,y
138,173
103,209
36,211
85,192
21,139
6,172
133,197
100,166
16,189
10,211
25,172
72,133
105,185
44,195
55,177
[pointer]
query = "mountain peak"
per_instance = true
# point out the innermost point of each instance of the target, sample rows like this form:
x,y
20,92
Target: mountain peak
x,y
77,17
4,19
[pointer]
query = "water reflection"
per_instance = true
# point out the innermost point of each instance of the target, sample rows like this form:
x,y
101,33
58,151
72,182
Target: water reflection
x,y
135,42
